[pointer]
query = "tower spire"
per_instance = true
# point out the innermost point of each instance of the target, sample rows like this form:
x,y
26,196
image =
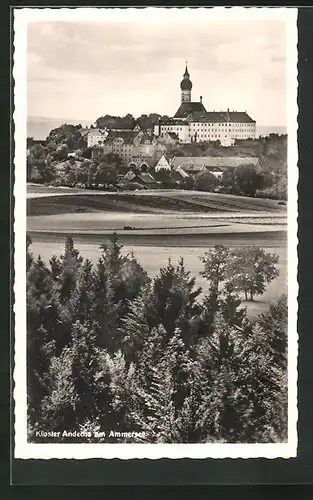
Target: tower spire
x,y
186,74
186,86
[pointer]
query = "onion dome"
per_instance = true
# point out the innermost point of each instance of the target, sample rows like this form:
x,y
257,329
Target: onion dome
x,y
186,83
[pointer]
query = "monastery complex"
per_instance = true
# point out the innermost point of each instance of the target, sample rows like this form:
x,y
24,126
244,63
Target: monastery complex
x,y
191,123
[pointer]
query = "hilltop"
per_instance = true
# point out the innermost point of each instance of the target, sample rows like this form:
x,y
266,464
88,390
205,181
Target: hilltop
x,y
39,127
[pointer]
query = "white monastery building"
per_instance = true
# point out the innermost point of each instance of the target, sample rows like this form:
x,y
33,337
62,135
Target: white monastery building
x,y
192,123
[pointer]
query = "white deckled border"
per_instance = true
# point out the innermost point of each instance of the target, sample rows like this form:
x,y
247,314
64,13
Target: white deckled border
x,y
26,450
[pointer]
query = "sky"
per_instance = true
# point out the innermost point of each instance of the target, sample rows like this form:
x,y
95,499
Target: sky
x,y
82,70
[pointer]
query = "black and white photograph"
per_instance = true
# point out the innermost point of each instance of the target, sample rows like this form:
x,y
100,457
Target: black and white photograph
x,y
155,232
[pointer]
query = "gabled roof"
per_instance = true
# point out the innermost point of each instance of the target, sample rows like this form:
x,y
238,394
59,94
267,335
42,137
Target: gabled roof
x,y
163,160
128,136
178,174
193,167
192,163
146,178
129,176
186,108
220,117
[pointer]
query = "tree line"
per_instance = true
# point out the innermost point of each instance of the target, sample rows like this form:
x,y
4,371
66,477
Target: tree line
x,y
244,180
110,348
50,163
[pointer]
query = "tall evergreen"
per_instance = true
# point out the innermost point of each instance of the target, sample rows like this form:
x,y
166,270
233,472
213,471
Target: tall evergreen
x,y
40,332
124,272
135,329
106,310
174,300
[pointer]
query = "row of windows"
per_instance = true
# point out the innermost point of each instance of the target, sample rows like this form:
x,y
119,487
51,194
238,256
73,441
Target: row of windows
x,y
170,127
206,124
224,131
218,136
233,125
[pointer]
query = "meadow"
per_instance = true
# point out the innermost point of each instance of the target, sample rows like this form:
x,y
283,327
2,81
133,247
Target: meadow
x,y
43,200
160,225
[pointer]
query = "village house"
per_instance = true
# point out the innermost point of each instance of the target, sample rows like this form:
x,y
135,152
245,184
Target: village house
x,y
213,161
95,137
163,164
143,178
214,164
141,163
130,145
179,175
178,127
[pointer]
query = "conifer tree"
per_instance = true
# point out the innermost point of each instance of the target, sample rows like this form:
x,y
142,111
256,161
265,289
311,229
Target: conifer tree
x,y
29,255
76,392
215,262
69,264
84,368
240,400
274,323
112,257
229,306
124,272
162,388
106,310
151,406
40,333
121,387
85,293
134,278
134,329
173,303
58,409
66,272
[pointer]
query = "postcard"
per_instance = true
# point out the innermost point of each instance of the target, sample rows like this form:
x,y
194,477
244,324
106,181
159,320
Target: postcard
x,y
155,233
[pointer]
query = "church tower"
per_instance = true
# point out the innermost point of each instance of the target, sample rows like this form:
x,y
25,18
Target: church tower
x,y
186,87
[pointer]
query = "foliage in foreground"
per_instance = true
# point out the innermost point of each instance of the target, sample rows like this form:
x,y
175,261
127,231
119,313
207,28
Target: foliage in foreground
x,y
110,349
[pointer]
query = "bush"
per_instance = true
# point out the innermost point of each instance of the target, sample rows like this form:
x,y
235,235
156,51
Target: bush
x,y
206,181
248,180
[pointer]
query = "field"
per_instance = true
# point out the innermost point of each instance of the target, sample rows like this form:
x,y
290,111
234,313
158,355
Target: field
x,y
49,201
160,225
